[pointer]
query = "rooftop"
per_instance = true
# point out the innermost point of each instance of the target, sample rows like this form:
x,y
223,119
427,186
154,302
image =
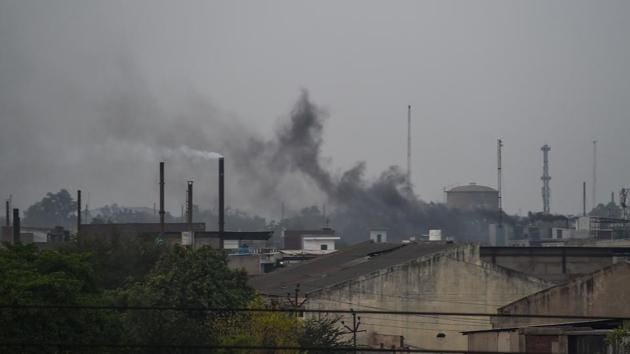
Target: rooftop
x,y
473,187
343,265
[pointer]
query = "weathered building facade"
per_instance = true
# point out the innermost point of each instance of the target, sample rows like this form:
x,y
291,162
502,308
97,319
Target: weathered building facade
x,y
431,276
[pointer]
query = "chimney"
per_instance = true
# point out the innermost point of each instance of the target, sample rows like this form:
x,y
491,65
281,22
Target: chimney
x,y
16,226
78,211
162,198
221,202
189,205
8,213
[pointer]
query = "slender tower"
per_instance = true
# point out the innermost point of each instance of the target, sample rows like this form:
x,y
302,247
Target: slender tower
x,y
594,191
162,212
189,205
221,202
409,146
499,177
546,192
583,198
7,216
78,211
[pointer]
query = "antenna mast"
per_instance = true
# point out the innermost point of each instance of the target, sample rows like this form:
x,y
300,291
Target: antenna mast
x,y
546,192
594,191
499,176
409,146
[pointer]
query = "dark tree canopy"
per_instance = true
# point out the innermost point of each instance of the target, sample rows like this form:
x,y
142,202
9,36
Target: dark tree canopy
x,y
55,209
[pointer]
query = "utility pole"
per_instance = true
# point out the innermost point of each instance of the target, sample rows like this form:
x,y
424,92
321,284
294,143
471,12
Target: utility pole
x,y
295,302
356,322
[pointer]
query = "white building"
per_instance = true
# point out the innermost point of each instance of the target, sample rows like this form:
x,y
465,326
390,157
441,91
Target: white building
x,y
378,235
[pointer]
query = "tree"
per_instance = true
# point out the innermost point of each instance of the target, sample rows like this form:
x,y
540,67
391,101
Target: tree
x,y
55,209
189,278
323,332
270,329
119,260
32,277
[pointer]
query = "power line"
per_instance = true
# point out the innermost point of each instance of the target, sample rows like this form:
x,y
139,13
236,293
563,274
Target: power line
x,y
236,347
383,312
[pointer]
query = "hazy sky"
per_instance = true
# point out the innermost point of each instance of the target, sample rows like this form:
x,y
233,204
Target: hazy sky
x,y
90,90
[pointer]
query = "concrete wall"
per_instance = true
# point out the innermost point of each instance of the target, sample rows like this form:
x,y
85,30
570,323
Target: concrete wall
x,y
250,263
557,264
605,292
315,244
454,280
472,200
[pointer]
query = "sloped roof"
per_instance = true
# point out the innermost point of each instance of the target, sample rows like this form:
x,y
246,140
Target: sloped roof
x,y
342,266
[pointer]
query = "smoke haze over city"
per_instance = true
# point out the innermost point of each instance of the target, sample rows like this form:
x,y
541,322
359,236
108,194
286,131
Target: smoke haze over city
x,y
94,94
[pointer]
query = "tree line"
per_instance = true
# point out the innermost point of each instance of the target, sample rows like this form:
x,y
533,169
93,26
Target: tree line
x,y
126,272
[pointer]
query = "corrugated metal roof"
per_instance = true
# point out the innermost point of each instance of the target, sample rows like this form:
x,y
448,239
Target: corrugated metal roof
x,y
342,266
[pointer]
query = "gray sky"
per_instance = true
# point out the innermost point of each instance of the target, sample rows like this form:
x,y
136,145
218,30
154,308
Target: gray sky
x,y
90,90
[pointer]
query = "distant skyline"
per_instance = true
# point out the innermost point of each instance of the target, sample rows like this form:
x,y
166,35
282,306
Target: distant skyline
x,y
93,92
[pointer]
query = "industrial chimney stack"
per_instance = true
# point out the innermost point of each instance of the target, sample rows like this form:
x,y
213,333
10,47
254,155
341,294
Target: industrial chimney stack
x,y
221,202
161,198
189,205
546,192
16,226
78,211
8,213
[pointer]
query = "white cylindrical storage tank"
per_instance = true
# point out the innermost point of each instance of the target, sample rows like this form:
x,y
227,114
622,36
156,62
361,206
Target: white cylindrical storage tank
x,y
435,235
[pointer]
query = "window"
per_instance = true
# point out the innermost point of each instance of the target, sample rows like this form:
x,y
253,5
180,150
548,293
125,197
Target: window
x,y
379,238
323,247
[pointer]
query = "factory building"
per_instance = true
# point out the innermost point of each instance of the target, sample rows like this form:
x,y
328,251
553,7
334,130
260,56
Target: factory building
x,y
473,196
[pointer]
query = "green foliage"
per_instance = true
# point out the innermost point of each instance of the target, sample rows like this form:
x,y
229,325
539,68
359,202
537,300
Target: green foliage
x,y
188,278
118,260
323,332
619,340
181,278
55,209
263,329
32,277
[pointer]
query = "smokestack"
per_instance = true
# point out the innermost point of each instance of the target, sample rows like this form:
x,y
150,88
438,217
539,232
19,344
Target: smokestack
x,y
162,198
16,226
221,202
583,198
8,213
189,205
78,211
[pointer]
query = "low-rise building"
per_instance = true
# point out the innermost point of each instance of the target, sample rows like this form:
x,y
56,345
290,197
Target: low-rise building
x,y
323,240
424,276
